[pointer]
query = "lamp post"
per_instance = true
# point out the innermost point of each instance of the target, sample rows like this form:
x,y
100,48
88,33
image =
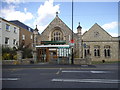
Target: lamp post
x,y
72,58
35,33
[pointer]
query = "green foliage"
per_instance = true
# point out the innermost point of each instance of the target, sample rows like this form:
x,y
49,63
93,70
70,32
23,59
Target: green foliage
x,y
106,62
27,53
15,57
8,53
6,56
11,53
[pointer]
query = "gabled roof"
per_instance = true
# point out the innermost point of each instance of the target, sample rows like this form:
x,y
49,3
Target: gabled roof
x,y
20,24
97,26
57,17
8,22
97,33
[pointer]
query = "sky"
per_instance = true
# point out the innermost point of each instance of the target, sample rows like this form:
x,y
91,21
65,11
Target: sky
x,y
42,12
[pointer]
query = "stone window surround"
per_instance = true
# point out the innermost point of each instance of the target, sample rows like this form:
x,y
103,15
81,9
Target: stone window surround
x,y
107,51
86,50
56,35
97,51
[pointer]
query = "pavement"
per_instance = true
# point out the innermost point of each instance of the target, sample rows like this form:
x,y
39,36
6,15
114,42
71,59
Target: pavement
x,y
45,75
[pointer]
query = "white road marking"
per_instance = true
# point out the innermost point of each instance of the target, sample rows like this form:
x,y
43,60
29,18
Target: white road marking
x,y
86,71
87,80
75,71
59,71
100,71
9,79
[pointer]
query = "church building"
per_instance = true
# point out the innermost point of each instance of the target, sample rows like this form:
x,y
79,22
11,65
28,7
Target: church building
x,y
96,42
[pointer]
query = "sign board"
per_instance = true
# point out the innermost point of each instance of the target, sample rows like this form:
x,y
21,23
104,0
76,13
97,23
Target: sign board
x,y
72,41
84,45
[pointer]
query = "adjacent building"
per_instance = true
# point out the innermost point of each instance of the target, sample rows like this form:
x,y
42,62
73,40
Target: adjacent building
x,y
25,34
9,34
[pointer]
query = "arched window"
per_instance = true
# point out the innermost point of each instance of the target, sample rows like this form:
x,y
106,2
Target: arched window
x,y
107,51
56,35
96,50
87,50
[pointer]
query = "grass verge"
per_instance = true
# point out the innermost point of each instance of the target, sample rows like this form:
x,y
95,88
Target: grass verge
x,y
106,62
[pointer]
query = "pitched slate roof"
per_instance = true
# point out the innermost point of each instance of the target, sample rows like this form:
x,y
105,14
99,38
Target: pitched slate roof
x,y
20,24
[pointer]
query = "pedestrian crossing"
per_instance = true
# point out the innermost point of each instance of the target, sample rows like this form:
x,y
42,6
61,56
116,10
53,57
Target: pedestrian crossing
x,y
114,81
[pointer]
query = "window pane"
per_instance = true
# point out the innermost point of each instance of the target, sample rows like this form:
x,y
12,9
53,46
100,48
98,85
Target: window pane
x,y
108,51
6,40
7,27
105,53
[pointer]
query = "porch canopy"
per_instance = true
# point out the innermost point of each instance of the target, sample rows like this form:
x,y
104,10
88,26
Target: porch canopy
x,y
53,46
54,53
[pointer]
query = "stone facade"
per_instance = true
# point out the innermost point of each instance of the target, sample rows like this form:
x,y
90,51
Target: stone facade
x,y
26,38
96,41
97,36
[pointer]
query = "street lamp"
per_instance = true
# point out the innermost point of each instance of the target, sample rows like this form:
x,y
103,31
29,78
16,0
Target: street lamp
x,y
72,58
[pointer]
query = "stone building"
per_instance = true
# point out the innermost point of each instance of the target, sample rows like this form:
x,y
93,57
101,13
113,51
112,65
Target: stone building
x,y
100,44
96,41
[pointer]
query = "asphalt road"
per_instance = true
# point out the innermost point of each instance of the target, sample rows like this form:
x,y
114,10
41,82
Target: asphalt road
x,y
60,76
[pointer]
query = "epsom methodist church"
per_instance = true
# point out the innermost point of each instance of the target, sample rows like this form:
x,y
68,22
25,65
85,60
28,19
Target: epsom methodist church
x,y
55,42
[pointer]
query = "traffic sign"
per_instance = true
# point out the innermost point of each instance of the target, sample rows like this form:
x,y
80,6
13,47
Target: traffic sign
x,y
72,41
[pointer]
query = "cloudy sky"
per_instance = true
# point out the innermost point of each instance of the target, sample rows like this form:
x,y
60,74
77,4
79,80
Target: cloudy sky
x,y
42,12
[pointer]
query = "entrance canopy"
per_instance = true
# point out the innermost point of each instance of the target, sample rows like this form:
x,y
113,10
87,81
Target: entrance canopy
x,y
54,53
53,46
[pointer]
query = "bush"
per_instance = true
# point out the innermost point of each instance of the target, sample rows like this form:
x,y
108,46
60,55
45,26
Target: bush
x,y
15,57
27,53
8,53
6,56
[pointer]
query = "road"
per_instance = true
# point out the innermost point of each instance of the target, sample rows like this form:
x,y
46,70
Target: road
x,y
60,76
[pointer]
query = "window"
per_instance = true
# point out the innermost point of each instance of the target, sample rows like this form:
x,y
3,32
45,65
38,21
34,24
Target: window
x,y
31,37
57,35
96,34
107,51
23,37
14,41
7,27
6,40
29,29
97,51
87,50
15,30
17,43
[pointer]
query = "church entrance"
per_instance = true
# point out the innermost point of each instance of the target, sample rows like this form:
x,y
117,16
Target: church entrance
x,y
54,53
